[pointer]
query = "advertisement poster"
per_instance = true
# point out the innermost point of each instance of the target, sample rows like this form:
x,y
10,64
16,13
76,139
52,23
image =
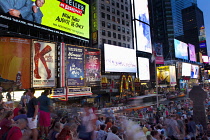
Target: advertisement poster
x,y
192,52
194,71
141,10
43,64
143,37
143,68
75,66
181,49
15,56
159,53
163,75
172,75
76,92
118,62
71,16
92,67
186,69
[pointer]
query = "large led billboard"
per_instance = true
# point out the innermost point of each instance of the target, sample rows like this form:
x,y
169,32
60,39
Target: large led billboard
x,y
143,37
166,75
181,49
192,52
143,68
141,10
205,59
71,16
186,69
194,71
119,59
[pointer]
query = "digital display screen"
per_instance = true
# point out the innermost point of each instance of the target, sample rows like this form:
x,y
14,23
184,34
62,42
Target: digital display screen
x,y
194,71
143,68
119,59
192,52
186,69
181,50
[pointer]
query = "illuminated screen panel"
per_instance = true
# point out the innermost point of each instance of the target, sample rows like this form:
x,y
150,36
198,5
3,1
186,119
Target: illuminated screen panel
x,y
143,68
192,52
194,71
71,16
180,49
186,69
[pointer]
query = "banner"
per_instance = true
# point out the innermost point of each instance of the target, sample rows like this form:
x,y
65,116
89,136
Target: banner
x,y
43,64
71,16
75,66
172,75
15,60
159,53
75,92
166,75
92,67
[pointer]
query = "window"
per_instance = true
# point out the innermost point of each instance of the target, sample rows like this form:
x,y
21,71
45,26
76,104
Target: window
x,y
107,1
118,12
113,18
119,36
126,9
102,6
114,35
123,29
108,25
113,11
114,26
119,43
118,20
126,16
113,3
127,23
128,45
103,23
122,14
118,5
102,15
114,43
109,42
108,16
128,31
104,41
108,8
122,7
126,2
124,37
103,32
121,0
123,22
109,34
128,39
118,28
123,45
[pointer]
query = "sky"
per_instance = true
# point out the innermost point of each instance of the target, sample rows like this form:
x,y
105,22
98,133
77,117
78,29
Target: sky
x,y
204,5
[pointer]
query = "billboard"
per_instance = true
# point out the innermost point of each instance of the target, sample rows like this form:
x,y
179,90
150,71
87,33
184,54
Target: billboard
x,y
15,56
166,75
71,16
192,52
186,69
116,60
205,59
143,37
75,66
92,67
141,10
194,71
181,50
143,68
159,53
43,59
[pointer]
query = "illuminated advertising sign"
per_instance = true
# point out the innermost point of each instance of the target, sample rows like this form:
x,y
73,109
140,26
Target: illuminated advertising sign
x,y
143,68
192,52
143,37
205,59
75,92
15,64
75,66
71,16
116,60
159,53
181,50
194,71
166,75
43,64
141,10
186,69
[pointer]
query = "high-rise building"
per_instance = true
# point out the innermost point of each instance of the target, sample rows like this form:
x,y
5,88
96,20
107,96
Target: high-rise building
x,y
177,6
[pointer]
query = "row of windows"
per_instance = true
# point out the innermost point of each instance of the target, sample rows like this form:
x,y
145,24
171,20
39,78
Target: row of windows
x,y
122,14
116,3
108,7
115,35
115,27
114,19
116,43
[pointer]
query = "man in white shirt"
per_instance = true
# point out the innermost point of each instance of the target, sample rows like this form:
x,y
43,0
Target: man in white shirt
x,y
112,135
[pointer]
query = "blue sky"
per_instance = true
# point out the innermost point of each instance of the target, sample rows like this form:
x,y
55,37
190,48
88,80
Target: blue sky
x,y
204,5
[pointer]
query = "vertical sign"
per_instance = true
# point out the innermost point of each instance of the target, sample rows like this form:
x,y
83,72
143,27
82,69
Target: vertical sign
x,y
75,66
61,64
172,75
43,64
159,53
92,67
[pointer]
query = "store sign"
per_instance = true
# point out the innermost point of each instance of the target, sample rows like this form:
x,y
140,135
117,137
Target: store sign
x,y
43,64
75,66
83,91
70,16
92,67
58,93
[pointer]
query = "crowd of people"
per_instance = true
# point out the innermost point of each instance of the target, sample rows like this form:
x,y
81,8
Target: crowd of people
x,y
35,118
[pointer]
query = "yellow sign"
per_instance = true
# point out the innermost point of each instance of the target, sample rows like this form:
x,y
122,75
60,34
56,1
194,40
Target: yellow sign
x,y
163,75
71,16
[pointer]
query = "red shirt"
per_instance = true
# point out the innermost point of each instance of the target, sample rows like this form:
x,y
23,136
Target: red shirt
x,y
15,111
14,133
5,125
